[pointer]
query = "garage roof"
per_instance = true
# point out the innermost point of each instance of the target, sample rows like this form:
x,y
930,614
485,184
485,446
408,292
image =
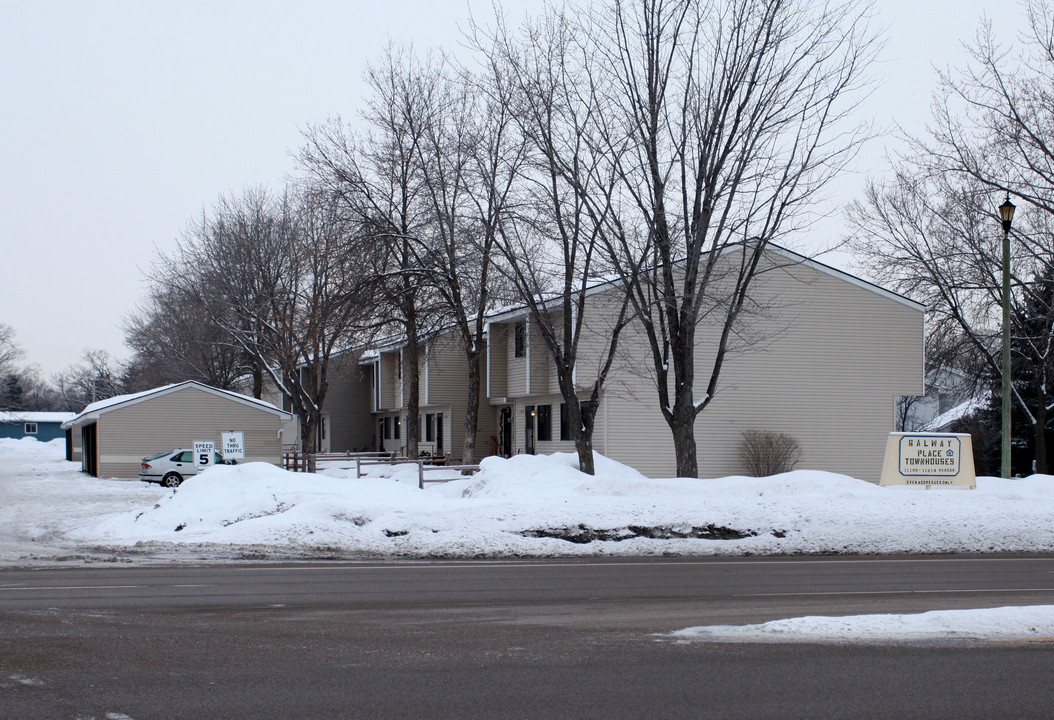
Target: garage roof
x,y
93,411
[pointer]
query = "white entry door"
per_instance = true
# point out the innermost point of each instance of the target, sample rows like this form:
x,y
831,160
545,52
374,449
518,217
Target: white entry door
x,y
324,432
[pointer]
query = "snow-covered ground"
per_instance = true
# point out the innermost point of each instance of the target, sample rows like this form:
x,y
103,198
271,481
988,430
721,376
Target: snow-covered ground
x,y
523,506
1006,624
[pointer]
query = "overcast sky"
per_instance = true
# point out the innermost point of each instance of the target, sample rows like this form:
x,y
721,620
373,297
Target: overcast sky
x,y
120,121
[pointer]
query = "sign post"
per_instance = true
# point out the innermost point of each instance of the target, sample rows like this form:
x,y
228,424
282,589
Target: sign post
x,y
233,445
929,459
203,450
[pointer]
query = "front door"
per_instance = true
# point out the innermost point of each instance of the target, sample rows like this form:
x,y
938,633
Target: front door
x,y
505,433
323,433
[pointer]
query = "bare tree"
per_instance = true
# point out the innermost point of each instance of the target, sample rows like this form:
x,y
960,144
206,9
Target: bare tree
x,y
275,274
551,250
932,230
173,338
692,135
469,158
11,389
727,118
97,377
376,180
10,352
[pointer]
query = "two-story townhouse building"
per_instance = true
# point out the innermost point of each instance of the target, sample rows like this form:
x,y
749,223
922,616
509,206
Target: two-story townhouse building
x,y
822,358
443,399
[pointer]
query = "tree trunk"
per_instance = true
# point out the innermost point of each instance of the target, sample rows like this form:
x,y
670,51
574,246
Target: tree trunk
x,y
309,436
411,388
468,452
682,419
683,427
582,432
584,446
258,380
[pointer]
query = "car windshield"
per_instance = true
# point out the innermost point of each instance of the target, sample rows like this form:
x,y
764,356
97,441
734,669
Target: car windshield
x,y
160,454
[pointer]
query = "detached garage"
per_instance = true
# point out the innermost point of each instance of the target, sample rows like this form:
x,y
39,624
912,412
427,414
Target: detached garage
x,y
111,437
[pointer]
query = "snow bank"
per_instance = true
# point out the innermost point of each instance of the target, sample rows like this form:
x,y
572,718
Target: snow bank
x,y
522,506
1006,623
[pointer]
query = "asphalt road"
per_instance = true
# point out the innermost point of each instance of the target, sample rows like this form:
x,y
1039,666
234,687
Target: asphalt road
x,y
517,639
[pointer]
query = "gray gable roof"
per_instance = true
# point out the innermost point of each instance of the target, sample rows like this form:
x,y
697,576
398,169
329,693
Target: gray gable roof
x,y
93,411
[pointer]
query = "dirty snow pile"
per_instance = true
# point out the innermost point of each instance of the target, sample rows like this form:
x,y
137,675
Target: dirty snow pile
x,y
523,506
1030,623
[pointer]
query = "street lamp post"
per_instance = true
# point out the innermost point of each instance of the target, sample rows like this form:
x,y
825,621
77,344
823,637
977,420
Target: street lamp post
x,y
1006,214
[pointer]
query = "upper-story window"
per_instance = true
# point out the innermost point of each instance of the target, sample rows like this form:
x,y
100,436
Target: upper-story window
x,y
520,330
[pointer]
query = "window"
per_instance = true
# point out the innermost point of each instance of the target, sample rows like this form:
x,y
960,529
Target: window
x,y
420,429
545,422
528,429
430,427
398,427
31,428
565,423
520,331
387,428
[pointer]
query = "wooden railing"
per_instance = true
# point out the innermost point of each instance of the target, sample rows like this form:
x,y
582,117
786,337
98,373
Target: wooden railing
x,y
308,462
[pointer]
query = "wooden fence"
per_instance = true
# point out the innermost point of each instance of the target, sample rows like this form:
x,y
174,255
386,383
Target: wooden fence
x,y
308,462
298,462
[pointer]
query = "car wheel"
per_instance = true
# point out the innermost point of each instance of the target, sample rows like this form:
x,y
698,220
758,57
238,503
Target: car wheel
x,y
171,480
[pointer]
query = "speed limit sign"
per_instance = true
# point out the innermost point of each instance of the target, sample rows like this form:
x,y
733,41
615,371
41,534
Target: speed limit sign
x,y
203,450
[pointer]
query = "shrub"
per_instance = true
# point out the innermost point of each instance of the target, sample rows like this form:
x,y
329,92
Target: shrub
x,y
768,453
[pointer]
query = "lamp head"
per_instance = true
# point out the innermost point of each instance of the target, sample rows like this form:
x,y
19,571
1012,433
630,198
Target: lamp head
x,y
1006,213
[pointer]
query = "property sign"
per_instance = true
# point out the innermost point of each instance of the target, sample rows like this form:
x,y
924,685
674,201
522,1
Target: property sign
x,y
929,459
233,445
203,450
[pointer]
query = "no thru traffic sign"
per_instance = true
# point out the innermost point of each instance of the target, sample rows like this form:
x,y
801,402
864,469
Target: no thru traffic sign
x,y
233,445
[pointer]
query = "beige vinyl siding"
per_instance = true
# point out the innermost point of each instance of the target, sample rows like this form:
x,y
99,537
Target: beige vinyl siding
x,y
348,404
602,311
541,360
176,419
444,389
76,450
389,380
537,362
290,439
516,367
824,365
497,352
448,393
